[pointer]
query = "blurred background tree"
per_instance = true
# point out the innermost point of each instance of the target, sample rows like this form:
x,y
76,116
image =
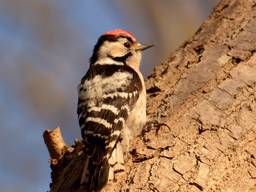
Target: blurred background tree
x,y
44,51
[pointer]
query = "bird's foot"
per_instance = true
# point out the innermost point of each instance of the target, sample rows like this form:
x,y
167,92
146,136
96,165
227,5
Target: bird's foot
x,y
154,124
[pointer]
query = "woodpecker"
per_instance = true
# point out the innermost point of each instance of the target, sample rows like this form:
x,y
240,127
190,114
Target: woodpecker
x,y
111,106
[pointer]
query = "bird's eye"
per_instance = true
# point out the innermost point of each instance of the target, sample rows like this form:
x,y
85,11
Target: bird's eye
x,y
127,44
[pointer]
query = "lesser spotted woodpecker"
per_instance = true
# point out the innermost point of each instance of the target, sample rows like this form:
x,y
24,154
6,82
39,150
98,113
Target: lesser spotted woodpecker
x,y
111,106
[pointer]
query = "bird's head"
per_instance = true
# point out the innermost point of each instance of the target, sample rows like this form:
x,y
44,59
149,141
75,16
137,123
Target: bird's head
x,y
118,46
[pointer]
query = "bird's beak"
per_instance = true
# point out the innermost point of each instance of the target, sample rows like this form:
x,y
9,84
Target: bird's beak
x,y
139,47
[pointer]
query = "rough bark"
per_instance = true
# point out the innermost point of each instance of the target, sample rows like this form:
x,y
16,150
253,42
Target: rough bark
x,y
206,93
55,143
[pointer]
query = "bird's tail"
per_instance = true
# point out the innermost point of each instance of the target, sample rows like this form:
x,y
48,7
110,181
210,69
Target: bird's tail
x,y
96,169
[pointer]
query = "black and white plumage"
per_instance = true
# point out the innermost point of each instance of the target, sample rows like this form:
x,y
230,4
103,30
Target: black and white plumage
x,y
111,105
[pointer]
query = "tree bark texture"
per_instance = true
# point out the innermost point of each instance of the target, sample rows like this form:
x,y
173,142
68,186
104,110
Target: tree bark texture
x,y
206,93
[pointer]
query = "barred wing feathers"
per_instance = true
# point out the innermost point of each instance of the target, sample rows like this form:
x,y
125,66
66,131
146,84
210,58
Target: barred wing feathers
x,y
107,94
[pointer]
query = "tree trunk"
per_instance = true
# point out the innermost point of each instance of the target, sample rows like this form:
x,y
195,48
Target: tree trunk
x,y
206,94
